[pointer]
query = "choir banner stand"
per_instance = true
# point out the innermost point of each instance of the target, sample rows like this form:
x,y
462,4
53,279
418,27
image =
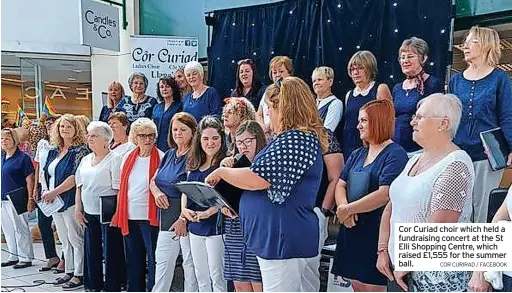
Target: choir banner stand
x,y
161,56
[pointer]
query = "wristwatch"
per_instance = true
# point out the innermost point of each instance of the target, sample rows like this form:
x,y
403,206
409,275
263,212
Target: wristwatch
x,y
183,218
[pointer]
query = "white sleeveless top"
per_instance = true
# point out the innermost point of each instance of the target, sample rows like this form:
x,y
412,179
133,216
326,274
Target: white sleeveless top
x,y
447,185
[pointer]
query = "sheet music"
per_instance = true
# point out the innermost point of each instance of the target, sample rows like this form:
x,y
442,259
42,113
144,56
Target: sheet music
x,y
50,208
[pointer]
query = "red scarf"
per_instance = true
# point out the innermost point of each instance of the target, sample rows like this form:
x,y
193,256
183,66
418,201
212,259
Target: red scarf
x,y
120,218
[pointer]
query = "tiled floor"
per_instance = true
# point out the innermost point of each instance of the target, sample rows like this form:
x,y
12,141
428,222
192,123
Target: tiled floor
x,y
26,277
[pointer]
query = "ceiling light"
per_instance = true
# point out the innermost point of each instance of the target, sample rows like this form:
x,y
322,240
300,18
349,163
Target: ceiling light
x,y
77,70
71,79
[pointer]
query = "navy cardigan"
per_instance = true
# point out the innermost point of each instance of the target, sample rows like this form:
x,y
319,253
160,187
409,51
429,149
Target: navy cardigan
x,y
66,167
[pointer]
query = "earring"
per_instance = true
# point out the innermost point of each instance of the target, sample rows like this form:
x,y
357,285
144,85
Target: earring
x,y
439,130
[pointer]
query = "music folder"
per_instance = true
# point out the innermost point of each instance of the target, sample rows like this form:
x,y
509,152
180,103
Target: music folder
x,y
358,185
170,215
19,199
108,206
229,192
496,148
204,195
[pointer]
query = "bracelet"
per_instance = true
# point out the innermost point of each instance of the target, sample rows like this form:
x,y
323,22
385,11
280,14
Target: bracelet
x,y
182,218
381,250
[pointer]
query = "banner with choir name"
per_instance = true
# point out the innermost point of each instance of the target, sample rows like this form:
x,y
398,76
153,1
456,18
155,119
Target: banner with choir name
x,y
161,56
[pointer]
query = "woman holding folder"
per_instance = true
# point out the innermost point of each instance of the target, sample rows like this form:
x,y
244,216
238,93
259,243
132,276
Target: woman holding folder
x,y
361,194
276,210
172,170
17,174
207,151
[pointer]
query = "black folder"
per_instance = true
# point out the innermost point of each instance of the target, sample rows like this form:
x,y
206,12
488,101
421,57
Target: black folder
x,y
496,147
108,206
204,195
19,199
170,215
229,192
358,185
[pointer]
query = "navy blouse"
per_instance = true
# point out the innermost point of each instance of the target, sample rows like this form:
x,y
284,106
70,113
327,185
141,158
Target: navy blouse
x,y
15,171
136,111
171,171
206,227
405,102
209,103
486,104
276,220
162,119
66,167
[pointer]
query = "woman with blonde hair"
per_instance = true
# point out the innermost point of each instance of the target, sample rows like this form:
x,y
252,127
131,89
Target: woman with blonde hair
x,y
329,106
236,111
17,173
61,165
281,202
362,69
412,56
115,94
180,78
486,95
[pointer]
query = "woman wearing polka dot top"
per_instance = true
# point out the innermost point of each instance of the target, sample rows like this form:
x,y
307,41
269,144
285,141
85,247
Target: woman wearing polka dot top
x,y
276,210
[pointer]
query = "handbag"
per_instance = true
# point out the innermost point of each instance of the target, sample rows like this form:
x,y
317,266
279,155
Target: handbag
x,y
358,185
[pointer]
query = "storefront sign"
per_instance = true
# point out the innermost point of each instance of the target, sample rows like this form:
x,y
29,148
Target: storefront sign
x,y
159,57
100,25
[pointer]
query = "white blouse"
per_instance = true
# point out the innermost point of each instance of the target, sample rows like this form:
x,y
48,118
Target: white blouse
x,y
447,185
101,179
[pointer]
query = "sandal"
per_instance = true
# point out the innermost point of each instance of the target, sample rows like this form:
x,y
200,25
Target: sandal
x,y
62,280
52,263
70,285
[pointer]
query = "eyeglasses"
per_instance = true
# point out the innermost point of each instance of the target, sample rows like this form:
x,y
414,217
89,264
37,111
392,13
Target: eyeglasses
x,y
245,61
246,142
146,135
93,136
467,43
419,117
407,57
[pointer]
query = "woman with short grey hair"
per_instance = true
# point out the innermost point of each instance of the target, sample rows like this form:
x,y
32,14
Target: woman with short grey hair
x,y
139,104
434,187
412,56
203,100
98,175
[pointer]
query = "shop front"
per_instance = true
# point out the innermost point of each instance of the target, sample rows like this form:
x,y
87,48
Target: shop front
x,y
28,80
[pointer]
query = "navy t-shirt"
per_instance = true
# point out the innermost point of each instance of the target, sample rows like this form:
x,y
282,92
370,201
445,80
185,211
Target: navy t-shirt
x,y
209,103
15,170
162,119
172,170
206,227
279,222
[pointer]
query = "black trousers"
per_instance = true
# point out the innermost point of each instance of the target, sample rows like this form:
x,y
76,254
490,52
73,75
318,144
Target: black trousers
x,y
103,242
45,227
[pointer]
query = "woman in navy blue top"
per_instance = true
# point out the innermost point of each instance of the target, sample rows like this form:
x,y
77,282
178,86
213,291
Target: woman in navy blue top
x,y
276,210
115,94
169,93
248,83
362,69
203,100
17,172
413,55
171,171
384,160
206,240
59,172
486,96
139,104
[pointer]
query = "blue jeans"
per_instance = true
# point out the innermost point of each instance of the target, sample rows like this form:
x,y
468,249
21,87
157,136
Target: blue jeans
x,y
103,243
45,227
141,242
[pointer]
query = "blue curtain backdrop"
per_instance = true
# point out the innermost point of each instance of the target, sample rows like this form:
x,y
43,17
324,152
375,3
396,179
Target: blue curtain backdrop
x,y
327,32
